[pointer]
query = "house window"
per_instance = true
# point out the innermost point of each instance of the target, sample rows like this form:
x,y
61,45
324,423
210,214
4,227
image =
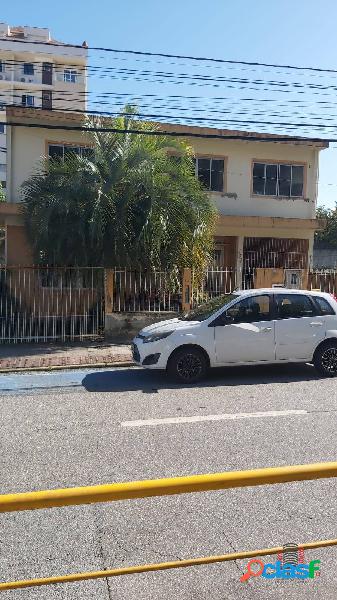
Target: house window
x,y
28,69
210,171
2,245
278,180
64,150
3,184
27,100
2,66
70,75
2,128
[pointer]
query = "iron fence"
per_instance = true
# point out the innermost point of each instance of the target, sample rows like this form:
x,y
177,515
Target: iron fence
x,y
324,280
49,303
214,282
146,290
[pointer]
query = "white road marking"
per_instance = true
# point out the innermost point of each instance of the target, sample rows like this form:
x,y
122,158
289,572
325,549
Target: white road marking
x,y
223,417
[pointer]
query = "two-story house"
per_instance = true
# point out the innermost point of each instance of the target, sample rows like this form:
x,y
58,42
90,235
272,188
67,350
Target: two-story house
x,y
264,187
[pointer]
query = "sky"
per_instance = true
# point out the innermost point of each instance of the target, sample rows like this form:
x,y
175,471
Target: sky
x,y
285,33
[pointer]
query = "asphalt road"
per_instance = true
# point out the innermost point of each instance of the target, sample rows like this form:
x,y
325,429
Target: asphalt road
x,y
91,427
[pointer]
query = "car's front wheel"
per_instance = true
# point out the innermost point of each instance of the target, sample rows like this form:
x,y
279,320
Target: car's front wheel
x,y
325,359
187,365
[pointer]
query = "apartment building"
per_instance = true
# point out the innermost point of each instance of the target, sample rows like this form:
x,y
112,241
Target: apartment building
x,y
264,188
37,71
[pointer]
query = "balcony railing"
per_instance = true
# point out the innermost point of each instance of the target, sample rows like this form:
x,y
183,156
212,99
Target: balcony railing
x,y
36,78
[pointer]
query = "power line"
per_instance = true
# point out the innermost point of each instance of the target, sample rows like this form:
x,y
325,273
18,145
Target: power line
x,y
176,56
196,118
105,69
244,136
193,118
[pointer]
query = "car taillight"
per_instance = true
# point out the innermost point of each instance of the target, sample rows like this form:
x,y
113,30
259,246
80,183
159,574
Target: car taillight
x,y
333,296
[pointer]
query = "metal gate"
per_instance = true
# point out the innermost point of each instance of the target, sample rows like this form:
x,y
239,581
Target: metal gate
x,y
49,303
275,253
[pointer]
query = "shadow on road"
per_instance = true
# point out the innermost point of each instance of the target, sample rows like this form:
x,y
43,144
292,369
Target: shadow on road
x,y
123,380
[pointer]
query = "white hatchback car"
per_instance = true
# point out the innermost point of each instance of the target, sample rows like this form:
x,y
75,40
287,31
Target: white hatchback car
x,y
246,327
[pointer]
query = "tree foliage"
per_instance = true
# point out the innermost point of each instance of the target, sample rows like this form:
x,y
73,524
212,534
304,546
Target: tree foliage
x,y
2,194
136,203
328,237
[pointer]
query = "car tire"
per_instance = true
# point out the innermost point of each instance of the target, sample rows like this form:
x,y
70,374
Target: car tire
x,y
187,365
325,359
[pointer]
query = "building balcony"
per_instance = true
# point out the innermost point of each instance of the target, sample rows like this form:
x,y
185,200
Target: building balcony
x,y
37,79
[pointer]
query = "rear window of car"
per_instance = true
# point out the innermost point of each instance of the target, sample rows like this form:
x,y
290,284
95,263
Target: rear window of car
x,y
292,306
324,306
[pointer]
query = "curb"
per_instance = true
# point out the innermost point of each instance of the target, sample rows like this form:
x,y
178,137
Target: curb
x,y
68,367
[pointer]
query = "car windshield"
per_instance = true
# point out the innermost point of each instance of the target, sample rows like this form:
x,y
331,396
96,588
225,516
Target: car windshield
x,y
202,312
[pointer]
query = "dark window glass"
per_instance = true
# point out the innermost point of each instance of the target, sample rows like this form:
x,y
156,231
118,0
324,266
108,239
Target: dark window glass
x,y
271,180
294,306
89,153
70,151
324,307
250,310
284,180
1,66
2,128
27,100
3,184
208,309
217,174
258,178
278,180
204,171
297,179
28,69
55,151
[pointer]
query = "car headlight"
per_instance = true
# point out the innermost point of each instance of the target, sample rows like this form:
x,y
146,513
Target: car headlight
x,y
155,337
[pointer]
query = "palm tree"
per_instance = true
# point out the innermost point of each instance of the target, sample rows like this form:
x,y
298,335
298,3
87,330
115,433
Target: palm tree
x,y
136,202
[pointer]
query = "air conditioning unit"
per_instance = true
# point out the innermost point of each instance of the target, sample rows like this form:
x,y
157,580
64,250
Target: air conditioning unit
x,y
23,79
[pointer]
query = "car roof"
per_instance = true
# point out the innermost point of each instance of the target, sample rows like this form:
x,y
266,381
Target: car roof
x,y
279,290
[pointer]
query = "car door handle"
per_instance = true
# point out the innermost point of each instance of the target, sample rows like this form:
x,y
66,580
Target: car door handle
x,y
265,329
316,324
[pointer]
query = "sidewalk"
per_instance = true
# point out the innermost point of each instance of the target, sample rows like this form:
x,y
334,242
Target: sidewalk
x,y
63,355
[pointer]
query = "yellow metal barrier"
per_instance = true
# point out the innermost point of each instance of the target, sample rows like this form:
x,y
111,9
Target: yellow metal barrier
x,y
162,487
176,564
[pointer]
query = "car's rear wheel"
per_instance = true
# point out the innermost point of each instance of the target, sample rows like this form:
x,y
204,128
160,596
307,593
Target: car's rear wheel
x,y
187,365
325,359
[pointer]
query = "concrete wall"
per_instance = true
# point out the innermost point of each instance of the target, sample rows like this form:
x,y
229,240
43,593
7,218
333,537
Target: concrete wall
x,y
126,325
325,258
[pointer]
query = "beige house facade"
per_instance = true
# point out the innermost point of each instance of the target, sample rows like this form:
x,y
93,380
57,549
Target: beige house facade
x,y
265,190
263,186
